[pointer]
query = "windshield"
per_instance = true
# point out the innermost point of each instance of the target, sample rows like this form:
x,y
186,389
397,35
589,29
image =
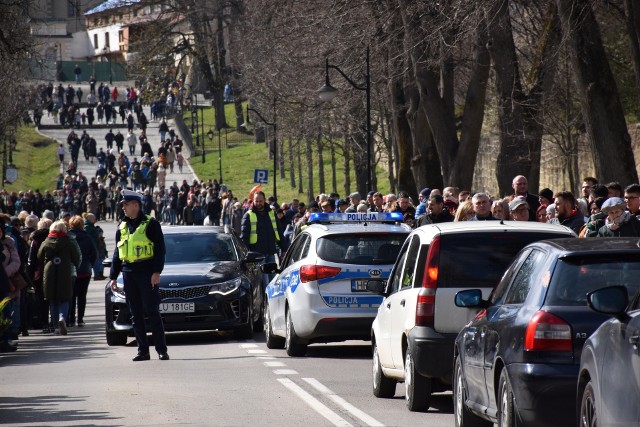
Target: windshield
x,y
183,248
478,260
574,277
360,248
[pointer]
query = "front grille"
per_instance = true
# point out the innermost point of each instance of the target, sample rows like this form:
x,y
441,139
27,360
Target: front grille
x,y
185,293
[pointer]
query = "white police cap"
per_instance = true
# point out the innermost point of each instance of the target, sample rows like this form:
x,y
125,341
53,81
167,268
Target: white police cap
x,y
128,195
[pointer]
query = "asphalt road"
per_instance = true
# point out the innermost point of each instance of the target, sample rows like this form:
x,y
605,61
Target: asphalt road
x,y
211,379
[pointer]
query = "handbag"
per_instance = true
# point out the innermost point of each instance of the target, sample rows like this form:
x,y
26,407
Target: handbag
x,y
18,281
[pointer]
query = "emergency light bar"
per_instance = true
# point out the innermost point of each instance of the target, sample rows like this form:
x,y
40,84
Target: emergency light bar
x,y
356,217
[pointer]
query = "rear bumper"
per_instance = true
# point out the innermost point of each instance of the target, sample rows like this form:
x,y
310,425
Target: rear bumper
x,y
333,329
432,353
545,394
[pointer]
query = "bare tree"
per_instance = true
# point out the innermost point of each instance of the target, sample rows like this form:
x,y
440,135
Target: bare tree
x,y
599,99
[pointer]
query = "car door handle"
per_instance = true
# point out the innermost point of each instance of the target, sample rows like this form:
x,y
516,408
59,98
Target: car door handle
x,y
634,340
388,305
402,303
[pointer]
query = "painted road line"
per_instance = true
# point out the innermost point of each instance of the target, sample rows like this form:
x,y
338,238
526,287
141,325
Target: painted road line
x,y
248,345
314,403
370,421
274,364
285,372
257,351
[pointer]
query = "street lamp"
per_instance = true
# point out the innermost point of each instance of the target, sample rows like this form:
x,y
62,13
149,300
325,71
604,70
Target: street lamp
x,y
210,135
328,92
275,141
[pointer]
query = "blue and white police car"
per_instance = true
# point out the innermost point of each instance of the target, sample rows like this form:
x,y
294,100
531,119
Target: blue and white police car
x,y
319,293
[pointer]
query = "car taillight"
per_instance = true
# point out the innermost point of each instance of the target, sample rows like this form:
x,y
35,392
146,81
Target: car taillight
x,y
426,304
309,273
546,332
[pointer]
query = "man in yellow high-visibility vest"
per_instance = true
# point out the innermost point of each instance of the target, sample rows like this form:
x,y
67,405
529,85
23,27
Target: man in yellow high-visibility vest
x,y
260,230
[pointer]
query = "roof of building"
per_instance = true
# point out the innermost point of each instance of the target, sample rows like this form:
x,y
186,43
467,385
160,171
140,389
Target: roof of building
x,y
111,4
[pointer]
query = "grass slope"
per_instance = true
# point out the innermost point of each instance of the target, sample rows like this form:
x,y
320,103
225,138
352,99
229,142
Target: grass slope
x,y
36,160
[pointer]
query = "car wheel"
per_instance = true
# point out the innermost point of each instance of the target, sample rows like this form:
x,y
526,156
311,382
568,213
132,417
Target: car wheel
x,y
463,416
258,324
382,386
416,387
245,332
294,346
588,412
271,340
507,413
116,338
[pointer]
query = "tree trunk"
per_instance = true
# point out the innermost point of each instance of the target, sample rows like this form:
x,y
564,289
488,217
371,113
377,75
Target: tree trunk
x,y
320,164
309,153
599,98
292,166
520,113
632,19
346,152
334,178
402,130
300,186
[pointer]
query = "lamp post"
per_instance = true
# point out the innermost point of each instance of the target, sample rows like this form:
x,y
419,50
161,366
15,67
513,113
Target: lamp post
x,y
328,92
275,141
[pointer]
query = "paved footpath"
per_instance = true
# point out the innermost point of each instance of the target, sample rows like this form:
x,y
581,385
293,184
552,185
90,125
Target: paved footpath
x,y
88,169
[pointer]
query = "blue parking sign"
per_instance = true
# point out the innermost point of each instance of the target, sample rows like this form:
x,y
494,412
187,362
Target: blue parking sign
x,y
261,176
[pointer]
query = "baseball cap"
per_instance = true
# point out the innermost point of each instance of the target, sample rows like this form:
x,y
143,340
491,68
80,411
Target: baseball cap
x,y
516,203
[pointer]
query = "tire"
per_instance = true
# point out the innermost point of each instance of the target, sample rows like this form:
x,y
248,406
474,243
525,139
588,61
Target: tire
x,y
416,387
506,408
294,346
258,325
271,340
245,332
382,386
463,416
588,411
116,338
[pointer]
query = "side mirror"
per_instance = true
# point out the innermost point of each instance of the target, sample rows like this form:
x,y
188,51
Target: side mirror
x,y
470,298
612,300
269,268
254,257
377,287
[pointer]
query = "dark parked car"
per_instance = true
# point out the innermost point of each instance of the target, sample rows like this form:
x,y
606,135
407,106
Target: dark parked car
x,y
609,382
210,281
517,362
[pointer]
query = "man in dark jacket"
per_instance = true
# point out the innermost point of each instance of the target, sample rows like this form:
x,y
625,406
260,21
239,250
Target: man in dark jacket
x,y
436,212
520,187
567,211
140,257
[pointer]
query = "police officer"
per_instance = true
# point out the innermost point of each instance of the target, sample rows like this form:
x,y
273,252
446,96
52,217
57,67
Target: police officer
x,y
140,257
260,230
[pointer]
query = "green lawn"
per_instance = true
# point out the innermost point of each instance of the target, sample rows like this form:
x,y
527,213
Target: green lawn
x,y
36,160
243,156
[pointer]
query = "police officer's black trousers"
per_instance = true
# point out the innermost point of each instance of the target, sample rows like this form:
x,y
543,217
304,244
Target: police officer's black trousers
x,y
144,300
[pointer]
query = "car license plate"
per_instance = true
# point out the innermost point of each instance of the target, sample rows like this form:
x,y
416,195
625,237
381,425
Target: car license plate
x,y
177,307
360,285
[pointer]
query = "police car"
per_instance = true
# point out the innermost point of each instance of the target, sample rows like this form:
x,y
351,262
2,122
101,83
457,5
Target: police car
x,y
319,293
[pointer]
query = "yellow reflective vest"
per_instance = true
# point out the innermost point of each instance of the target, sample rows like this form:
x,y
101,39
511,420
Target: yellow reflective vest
x,y
253,220
136,246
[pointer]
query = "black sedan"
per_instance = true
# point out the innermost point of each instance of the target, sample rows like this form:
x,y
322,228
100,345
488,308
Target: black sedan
x,y
210,282
609,383
517,361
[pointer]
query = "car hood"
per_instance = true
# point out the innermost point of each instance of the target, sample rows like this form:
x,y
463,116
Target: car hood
x,y
187,274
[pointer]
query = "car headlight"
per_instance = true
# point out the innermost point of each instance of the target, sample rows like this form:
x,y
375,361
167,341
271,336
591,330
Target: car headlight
x,y
225,288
